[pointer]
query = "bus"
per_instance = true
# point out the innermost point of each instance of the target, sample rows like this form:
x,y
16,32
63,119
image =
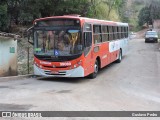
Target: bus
x,y
74,46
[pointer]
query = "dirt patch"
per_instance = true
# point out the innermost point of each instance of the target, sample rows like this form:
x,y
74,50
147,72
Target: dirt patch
x,y
140,34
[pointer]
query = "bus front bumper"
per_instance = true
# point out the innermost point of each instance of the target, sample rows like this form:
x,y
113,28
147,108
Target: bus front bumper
x,y
76,72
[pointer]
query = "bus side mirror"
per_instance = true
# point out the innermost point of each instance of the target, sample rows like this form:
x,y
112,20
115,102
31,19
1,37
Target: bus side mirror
x,y
30,35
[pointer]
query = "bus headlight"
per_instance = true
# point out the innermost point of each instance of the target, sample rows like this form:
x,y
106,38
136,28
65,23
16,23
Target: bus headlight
x,y
79,63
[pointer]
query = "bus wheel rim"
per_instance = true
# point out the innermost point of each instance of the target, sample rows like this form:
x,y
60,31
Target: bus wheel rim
x,y
96,68
120,56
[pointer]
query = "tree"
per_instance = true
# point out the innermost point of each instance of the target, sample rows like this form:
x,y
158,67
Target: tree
x,y
93,8
113,4
144,16
3,17
74,7
150,12
23,12
155,9
121,8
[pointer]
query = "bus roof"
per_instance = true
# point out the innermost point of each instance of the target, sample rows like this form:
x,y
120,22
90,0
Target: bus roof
x,y
85,19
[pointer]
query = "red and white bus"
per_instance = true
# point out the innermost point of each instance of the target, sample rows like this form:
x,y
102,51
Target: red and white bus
x,y
74,46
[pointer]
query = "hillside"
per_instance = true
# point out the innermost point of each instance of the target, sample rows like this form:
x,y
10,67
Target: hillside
x,y
133,9
102,11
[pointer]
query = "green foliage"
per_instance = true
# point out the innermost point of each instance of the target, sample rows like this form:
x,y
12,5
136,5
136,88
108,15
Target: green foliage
x,y
3,17
23,12
144,16
148,14
74,7
155,9
121,8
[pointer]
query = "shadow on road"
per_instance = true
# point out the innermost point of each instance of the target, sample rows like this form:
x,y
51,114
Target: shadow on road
x,y
62,79
77,80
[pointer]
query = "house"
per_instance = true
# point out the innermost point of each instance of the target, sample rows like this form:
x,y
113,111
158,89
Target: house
x,y
8,55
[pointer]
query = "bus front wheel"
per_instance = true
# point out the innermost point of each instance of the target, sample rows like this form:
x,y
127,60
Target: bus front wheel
x,y
96,68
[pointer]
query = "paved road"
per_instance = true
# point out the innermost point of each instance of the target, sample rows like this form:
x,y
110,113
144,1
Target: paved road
x,y
132,85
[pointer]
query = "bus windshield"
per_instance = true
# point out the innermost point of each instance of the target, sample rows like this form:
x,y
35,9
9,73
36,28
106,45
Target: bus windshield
x,y
57,42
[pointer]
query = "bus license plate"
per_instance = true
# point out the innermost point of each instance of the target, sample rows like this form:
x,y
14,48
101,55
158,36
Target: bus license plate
x,y
54,72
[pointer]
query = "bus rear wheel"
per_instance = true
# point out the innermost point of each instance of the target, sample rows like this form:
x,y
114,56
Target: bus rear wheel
x,y
96,68
119,57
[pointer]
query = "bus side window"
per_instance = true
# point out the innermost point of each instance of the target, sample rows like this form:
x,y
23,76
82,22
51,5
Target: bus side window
x,y
97,34
122,32
110,33
127,32
105,33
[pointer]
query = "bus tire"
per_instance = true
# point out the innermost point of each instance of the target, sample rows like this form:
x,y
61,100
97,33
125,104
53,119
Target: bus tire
x,y
96,68
119,57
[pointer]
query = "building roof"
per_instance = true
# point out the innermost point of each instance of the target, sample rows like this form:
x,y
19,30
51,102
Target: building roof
x,y
9,35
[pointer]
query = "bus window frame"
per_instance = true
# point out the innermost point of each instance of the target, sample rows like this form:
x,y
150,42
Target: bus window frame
x,y
99,34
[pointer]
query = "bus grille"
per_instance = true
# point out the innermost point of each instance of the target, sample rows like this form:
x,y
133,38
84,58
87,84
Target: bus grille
x,y
55,73
56,66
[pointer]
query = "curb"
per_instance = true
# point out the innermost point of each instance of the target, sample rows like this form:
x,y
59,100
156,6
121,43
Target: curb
x,y
19,77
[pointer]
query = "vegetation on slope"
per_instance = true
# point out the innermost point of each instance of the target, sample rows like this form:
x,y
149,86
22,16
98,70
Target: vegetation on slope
x,y
23,12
